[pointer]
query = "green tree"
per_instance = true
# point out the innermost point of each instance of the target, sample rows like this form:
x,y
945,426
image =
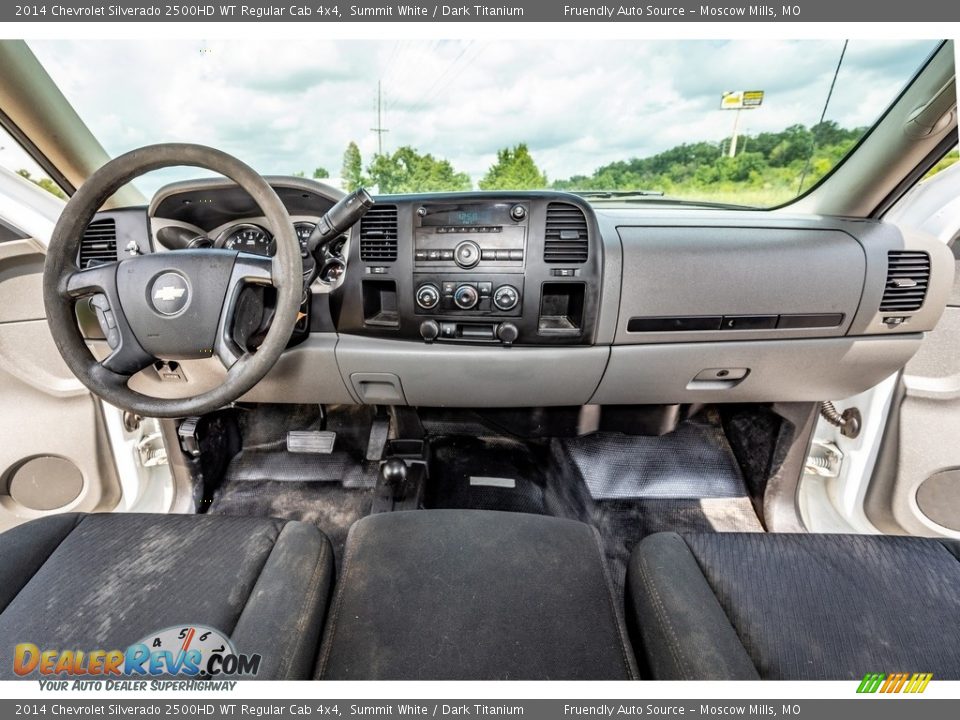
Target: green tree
x,y
46,183
514,170
321,173
406,170
352,172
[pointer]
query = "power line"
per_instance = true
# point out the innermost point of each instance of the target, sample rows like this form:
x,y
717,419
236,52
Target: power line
x,y
379,129
826,104
437,86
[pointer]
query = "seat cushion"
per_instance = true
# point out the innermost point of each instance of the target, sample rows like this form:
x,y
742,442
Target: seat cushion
x,y
467,594
105,581
795,607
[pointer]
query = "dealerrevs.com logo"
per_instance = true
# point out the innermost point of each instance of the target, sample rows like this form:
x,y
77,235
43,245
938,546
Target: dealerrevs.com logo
x,y
193,651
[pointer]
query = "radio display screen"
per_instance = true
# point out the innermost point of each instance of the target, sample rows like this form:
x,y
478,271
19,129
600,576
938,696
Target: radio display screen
x,y
465,215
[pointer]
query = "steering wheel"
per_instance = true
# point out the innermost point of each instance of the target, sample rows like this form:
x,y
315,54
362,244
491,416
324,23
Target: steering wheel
x,y
169,305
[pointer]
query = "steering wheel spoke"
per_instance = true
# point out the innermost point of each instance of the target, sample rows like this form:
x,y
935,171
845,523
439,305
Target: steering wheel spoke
x,y
248,269
96,279
98,284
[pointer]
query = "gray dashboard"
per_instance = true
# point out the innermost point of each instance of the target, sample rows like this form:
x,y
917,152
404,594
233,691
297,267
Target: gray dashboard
x,y
668,305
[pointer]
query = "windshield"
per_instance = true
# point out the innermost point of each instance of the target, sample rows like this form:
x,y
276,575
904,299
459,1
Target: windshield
x,y
737,122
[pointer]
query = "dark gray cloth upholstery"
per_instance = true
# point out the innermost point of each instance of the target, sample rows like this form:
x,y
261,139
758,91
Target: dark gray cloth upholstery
x,y
469,594
795,607
676,616
105,581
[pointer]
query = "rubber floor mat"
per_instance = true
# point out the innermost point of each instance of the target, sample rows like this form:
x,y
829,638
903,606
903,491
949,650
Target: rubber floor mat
x,y
265,457
279,466
329,506
624,523
486,474
693,461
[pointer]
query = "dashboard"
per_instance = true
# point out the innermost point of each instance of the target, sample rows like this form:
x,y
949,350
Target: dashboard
x,y
514,299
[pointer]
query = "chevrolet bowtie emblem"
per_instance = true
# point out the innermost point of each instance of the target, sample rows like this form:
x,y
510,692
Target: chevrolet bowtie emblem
x,y
168,293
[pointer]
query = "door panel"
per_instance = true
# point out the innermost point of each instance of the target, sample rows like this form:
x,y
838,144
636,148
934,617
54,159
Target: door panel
x,y
55,456
921,496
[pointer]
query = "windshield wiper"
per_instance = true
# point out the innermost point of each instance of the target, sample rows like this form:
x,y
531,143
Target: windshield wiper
x,y
619,194
655,196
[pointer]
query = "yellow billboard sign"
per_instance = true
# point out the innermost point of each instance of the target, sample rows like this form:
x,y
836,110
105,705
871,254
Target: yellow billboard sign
x,y
741,99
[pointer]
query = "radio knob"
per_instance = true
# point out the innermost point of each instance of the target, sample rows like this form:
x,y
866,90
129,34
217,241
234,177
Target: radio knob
x,y
518,212
429,330
506,297
507,333
428,296
467,254
466,297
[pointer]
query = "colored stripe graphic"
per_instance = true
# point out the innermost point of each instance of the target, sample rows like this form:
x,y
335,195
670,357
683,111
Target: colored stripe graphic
x,y
891,683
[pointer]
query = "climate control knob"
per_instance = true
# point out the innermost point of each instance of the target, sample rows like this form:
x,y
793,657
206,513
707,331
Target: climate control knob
x,y
506,297
428,296
466,297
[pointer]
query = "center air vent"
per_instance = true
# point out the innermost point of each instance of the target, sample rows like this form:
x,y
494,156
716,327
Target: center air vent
x,y
565,236
378,234
99,244
908,274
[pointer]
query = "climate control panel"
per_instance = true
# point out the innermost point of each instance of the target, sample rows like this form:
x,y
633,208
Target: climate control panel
x,y
472,296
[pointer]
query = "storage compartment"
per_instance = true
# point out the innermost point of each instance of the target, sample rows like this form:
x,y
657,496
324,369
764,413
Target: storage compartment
x,y
688,284
380,303
768,371
561,308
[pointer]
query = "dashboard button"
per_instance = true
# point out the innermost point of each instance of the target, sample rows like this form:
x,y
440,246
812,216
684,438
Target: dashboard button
x,y
488,254
449,287
749,322
446,254
420,255
485,288
433,255
516,254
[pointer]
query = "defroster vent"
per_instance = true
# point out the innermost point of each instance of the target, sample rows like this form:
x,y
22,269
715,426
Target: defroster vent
x,y
378,234
908,275
99,244
565,237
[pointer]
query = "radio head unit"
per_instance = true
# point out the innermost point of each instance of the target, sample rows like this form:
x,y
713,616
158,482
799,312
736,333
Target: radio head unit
x,y
465,237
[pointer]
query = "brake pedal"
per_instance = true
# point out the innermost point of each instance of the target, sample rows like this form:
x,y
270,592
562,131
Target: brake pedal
x,y
315,442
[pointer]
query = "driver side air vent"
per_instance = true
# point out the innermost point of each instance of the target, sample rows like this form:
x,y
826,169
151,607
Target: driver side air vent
x,y
908,274
565,236
99,244
378,234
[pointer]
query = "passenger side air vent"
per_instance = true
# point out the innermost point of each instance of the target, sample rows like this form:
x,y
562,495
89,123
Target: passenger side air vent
x,y
378,234
908,274
99,244
565,236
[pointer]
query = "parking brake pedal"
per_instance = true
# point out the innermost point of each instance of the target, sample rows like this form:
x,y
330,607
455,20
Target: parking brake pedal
x,y
315,442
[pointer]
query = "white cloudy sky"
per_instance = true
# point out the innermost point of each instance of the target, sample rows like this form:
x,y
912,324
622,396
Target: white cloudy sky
x,y
290,106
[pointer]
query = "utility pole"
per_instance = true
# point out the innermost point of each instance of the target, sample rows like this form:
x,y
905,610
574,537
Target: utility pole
x,y
379,129
734,136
